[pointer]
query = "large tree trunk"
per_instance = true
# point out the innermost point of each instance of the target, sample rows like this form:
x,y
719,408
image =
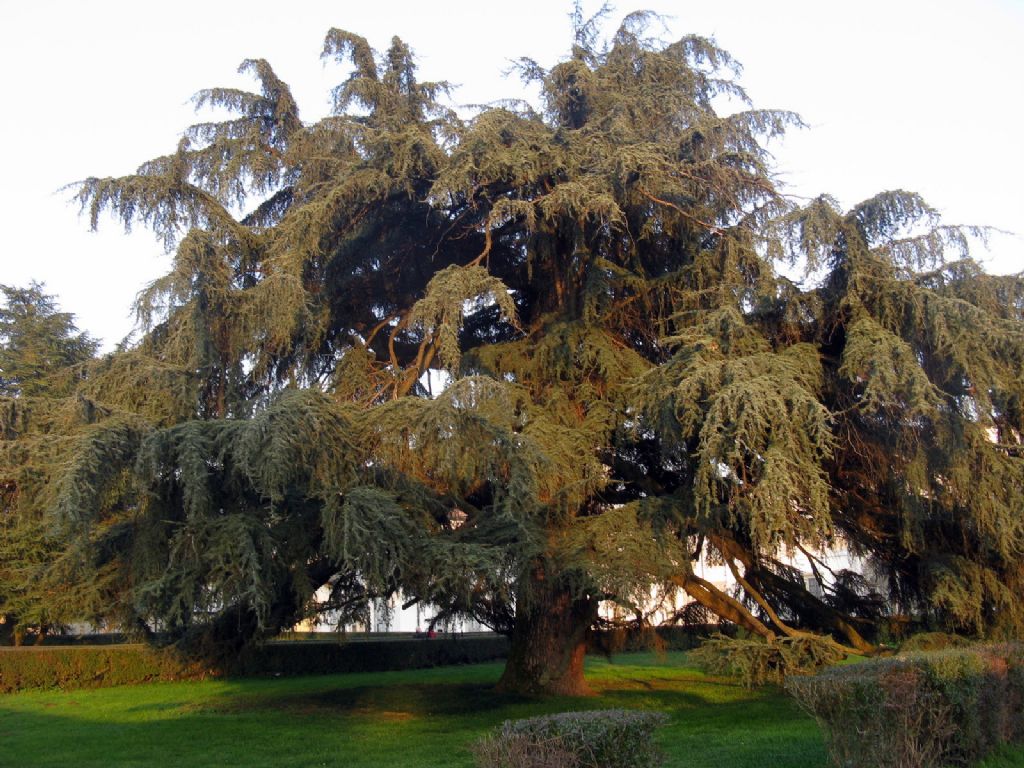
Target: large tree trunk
x,y
549,641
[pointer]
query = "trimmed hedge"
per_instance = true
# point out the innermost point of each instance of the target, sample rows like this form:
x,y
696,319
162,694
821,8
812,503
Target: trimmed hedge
x,y
934,641
305,657
948,707
666,638
610,738
70,667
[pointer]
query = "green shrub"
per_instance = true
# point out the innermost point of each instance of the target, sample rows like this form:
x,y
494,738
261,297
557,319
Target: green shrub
x,y
518,750
91,666
307,657
79,666
666,638
612,738
948,707
756,661
933,641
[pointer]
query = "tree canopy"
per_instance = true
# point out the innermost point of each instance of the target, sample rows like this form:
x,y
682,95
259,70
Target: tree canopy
x,y
43,358
518,363
41,350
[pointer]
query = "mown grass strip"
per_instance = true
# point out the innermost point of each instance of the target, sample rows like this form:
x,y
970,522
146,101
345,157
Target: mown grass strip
x,y
416,719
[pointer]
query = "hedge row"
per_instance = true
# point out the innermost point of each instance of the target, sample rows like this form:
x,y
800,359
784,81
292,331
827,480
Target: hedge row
x,y
948,707
308,657
70,667
667,638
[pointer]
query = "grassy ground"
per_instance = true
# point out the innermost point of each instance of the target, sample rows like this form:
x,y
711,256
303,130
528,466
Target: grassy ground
x,y
411,719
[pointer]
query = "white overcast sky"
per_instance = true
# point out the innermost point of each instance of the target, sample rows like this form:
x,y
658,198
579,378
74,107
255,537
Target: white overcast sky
x,y
926,95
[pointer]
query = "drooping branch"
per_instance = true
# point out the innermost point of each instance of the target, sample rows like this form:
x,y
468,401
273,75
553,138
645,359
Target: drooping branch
x,y
773,615
810,608
722,604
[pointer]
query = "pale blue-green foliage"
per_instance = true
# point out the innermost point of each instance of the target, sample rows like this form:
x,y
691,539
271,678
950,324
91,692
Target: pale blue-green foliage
x,y
625,552
239,482
91,468
629,376
370,530
886,372
303,440
752,419
161,196
979,348
807,234
186,457
443,307
454,566
216,561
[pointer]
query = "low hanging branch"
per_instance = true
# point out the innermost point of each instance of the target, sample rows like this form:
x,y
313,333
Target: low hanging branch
x,y
721,604
773,615
830,618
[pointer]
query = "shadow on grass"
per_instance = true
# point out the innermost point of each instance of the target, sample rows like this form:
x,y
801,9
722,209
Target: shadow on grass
x,y
416,720
478,701
414,699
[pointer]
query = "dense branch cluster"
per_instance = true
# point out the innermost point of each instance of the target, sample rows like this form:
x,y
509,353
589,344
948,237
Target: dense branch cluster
x,y
517,363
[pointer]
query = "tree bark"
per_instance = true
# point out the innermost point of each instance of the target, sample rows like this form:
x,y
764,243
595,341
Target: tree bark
x,y
721,604
549,641
815,612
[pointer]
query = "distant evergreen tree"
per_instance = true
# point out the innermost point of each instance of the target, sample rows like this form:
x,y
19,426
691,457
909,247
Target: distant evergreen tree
x,y
518,364
41,350
43,359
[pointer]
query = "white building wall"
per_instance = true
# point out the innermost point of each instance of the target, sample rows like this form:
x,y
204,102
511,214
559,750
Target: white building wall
x,y
389,616
392,617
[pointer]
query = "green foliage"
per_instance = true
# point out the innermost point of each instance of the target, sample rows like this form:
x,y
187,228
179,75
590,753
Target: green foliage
x,y
41,350
921,709
612,738
933,641
761,432
628,384
417,719
370,529
71,667
757,662
43,359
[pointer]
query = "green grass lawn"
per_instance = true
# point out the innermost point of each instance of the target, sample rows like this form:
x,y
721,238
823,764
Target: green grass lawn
x,y
413,719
